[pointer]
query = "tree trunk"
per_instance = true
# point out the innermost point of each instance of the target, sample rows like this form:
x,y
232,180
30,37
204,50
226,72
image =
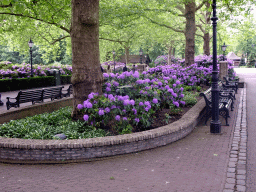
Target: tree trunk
x,y
170,55
190,10
207,33
127,54
86,73
207,44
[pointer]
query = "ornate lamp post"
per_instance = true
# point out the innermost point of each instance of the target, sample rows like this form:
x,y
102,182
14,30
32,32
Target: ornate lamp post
x,y
30,44
215,126
141,53
114,53
224,47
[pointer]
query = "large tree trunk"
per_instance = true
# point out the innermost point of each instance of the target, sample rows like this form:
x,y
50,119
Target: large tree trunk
x,y
190,10
127,54
207,33
86,73
207,44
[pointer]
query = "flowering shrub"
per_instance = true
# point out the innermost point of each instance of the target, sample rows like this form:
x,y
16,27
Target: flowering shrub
x,y
163,60
24,70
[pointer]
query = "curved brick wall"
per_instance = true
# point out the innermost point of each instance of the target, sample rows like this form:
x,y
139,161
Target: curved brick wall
x,y
65,151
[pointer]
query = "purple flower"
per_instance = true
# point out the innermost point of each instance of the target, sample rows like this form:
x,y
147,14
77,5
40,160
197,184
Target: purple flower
x,y
108,84
176,103
115,83
136,74
181,95
174,85
105,75
113,107
141,104
137,120
101,112
126,102
132,102
117,117
124,110
182,102
86,117
108,89
79,106
107,110
89,105
135,111
174,94
147,103
181,89
155,101
125,118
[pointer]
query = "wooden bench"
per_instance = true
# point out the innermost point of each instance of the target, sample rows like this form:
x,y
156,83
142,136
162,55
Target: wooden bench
x,y
225,102
34,96
68,92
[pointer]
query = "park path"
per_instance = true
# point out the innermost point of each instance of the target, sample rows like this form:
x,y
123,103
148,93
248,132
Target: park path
x,y
193,164
249,76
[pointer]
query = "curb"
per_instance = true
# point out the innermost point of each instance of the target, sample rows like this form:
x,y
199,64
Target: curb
x,y
13,150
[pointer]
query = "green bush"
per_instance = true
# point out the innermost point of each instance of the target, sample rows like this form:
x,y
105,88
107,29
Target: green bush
x,y
65,79
190,99
26,83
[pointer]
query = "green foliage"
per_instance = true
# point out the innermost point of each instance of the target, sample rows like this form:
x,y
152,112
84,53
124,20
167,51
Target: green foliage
x,y
190,99
26,83
45,126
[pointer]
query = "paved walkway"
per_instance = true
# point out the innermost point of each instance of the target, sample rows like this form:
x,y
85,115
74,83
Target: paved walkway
x,y
14,94
199,162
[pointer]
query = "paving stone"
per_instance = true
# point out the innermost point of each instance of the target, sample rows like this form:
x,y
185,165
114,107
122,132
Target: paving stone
x,y
241,162
234,152
240,188
240,177
233,159
233,156
243,150
231,180
234,148
241,172
242,154
231,170
232,164
241,166
228,190
231,175
242,158
229,186
240,182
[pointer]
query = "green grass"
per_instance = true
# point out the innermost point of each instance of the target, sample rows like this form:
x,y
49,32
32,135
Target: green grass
x,y
45,126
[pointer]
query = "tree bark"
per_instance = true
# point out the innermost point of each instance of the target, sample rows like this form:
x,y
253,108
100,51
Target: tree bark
x,y
86,73
170,55
190,10
207,44
127,54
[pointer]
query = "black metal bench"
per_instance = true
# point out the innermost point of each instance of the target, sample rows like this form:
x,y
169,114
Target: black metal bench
x,y
52,93
24,97
225,102
34,96
231,84
68,92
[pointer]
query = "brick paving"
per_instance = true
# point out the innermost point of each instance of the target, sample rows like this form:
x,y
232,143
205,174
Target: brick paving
x,y
199,162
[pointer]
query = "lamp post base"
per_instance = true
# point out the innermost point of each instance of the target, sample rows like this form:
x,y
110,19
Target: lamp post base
x,y
215,127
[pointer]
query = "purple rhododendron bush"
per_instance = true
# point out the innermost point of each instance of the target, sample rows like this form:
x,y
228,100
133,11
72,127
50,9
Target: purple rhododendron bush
x,y
9,70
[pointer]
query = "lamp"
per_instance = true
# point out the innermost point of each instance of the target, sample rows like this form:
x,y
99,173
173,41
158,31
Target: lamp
x,y
224,47
30,44
141,53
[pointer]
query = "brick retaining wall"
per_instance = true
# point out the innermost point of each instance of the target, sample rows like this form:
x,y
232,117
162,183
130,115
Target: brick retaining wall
x,y
65,151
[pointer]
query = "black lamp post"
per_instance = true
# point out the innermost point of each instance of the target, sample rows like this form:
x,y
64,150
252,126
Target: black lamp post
x,y
215,126
30,44
114,53
224,47
141,53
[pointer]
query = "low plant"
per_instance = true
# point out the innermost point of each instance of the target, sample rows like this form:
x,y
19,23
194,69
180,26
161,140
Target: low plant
x,y
47,125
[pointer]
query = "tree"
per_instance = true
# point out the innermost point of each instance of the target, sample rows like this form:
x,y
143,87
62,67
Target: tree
x,y
86,74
